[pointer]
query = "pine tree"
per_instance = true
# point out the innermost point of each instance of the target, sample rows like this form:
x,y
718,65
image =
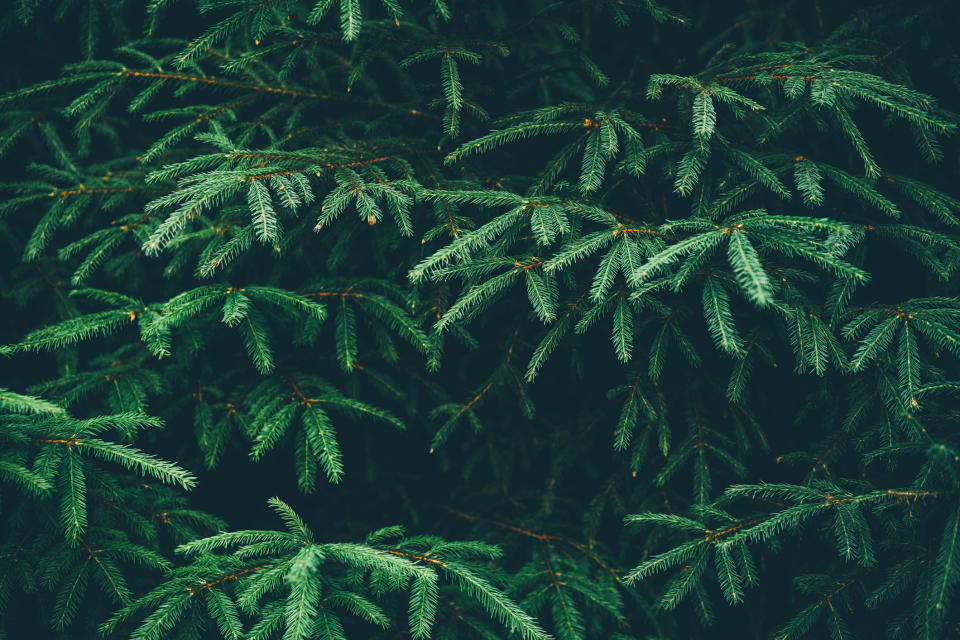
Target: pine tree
x,y
530,320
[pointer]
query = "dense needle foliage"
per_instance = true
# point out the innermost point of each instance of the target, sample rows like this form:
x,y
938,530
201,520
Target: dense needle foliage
x,y
582,319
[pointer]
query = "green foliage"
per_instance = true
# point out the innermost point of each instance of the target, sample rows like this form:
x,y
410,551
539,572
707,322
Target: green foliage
x,y
102,531
276,579
443,255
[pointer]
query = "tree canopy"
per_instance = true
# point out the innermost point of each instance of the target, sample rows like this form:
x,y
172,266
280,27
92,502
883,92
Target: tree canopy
x,y
572,319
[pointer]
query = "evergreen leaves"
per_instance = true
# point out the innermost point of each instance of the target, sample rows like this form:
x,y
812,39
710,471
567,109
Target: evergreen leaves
x,y
751,277
276,580
443,256
52,457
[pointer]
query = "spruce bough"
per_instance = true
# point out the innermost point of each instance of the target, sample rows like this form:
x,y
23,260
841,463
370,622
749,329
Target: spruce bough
x,y
544,320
